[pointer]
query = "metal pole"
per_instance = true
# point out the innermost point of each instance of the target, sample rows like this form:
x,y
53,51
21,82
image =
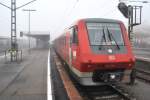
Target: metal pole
x,y
140,14
14,45
13,30
29,31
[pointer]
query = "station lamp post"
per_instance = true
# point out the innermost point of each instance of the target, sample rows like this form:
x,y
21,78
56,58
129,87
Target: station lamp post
x,y
29,31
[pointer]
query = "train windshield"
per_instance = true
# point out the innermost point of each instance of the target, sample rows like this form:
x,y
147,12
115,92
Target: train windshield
x,y
105,34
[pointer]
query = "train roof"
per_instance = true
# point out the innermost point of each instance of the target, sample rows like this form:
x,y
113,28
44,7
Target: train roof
x,y
101,20
95,20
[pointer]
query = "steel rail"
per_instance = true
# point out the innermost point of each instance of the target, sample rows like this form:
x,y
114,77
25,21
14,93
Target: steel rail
x,y
144,75
142,71
68,85
124,94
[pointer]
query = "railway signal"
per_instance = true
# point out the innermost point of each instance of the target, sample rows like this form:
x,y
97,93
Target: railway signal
x,y
21,34
133,13
123,9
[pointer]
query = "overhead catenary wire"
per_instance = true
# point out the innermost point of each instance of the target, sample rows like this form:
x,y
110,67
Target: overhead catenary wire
x,y
66,13
70,12
110,11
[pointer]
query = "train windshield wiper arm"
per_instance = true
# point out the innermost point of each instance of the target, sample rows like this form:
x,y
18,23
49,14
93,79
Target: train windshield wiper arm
x,y
103,37
112,37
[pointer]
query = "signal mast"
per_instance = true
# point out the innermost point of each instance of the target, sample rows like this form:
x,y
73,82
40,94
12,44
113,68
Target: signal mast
x,y
133,13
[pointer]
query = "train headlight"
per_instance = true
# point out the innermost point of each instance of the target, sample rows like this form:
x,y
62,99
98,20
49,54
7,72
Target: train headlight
x,y
110,51
112,76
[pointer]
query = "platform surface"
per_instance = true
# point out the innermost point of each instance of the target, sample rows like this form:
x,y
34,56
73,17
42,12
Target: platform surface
x,y
26,80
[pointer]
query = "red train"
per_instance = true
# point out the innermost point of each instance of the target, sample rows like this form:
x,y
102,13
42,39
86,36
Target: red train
x,y
97,51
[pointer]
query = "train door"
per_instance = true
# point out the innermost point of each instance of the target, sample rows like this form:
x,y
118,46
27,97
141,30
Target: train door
x,y
73,45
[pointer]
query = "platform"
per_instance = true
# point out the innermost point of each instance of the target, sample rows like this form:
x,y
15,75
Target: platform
x,y
26,80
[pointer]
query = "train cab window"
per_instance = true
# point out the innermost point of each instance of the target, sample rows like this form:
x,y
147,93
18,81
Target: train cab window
x,y
105,34
74,36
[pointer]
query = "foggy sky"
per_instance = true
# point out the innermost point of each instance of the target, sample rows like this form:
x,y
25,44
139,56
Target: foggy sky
x,y
55,15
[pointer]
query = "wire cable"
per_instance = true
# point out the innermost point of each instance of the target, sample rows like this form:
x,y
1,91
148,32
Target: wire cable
x,y
63,21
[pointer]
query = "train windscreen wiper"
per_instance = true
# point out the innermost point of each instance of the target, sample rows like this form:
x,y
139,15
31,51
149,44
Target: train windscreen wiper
x,y
103,37
111,37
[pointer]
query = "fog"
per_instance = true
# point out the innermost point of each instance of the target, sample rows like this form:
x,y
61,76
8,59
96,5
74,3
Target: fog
x,y
55,15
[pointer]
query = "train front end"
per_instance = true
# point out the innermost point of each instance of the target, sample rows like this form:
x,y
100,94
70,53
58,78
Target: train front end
x,y
105,53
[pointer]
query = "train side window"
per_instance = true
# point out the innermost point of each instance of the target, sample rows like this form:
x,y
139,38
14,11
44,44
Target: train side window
x,y
74,35
71,35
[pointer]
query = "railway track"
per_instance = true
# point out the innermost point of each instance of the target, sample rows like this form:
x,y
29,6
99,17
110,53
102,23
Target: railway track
x,y
106,92
143,75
